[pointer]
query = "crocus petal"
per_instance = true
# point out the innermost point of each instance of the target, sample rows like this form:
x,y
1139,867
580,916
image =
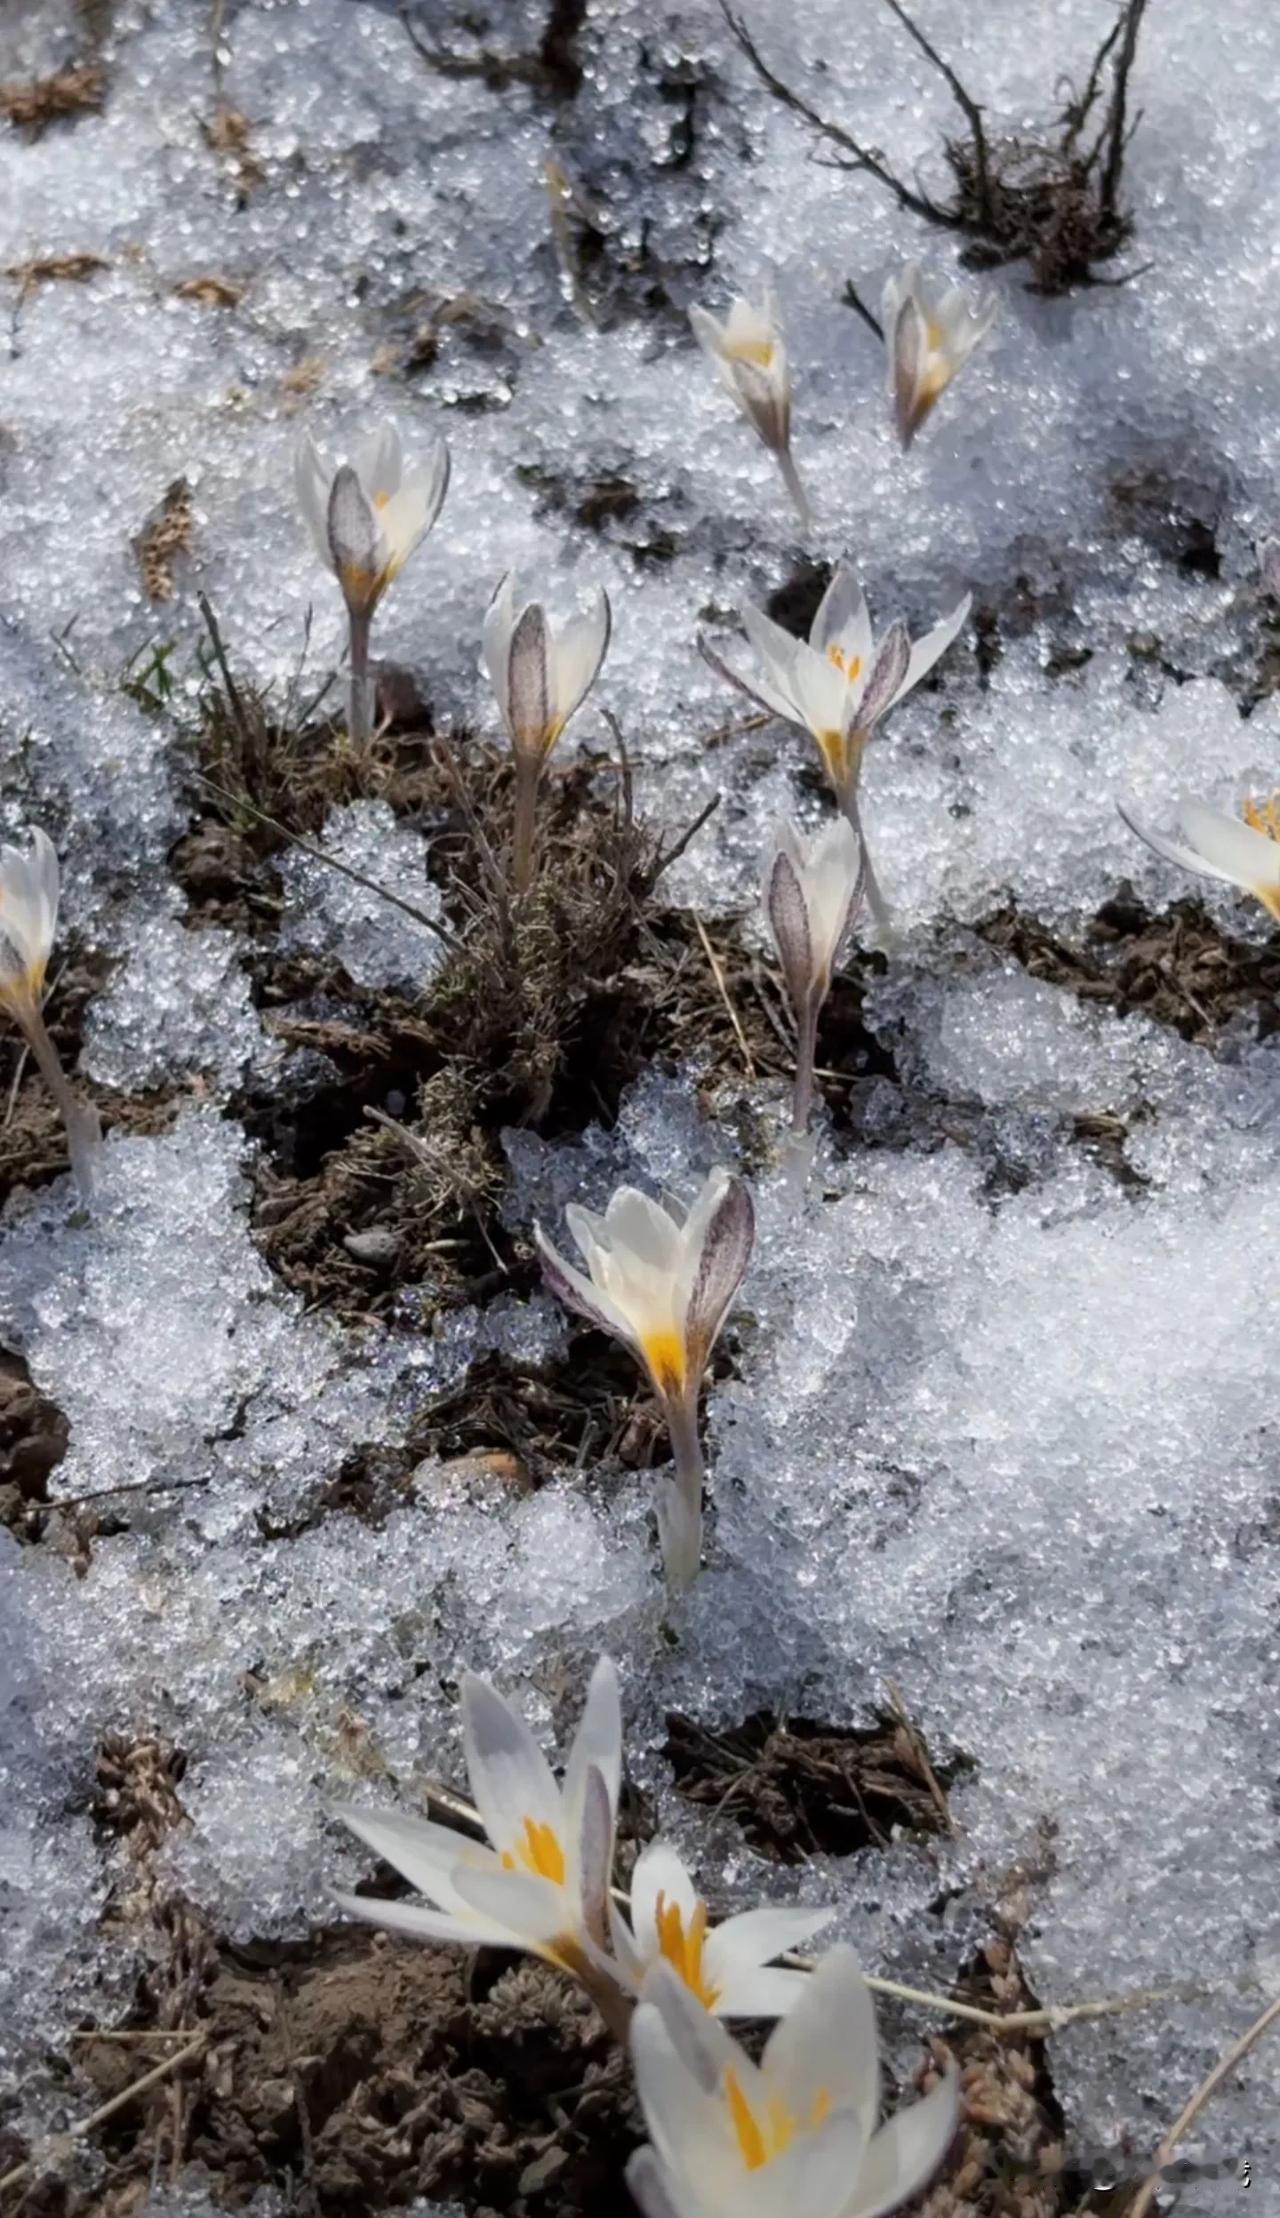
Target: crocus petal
x,y
1236,849
828,2043
756,1991
312,477
680,2054
824,695
580,649
776,648
579,1293
763,691
591,1860
376,459
659,1871
426,1855
834,883
843,620
788,914
721,1230
495,641
528,687
708,332
1173,851
355,541
906,2151
755,1937
531,1912
423,1925
887,680
925,652
909,344
653,2190
813,2175
597,1744
511,1780
636,1223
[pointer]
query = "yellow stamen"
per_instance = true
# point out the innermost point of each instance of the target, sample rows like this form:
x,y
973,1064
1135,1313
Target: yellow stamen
x,y
683,1948
751,2139
758,351
380,499
539,1852
847,665
664,1352
933,336
1263,816
762,2140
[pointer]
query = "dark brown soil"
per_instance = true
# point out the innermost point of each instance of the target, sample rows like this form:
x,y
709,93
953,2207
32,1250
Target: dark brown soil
x,y
1176,966
798,1788
33,1147
33,1441
357,2071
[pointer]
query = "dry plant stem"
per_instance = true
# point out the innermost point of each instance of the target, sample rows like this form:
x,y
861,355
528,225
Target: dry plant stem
x,y
680,1518
1191,2110
81,1123
360,703
107,2110
799,498
528,779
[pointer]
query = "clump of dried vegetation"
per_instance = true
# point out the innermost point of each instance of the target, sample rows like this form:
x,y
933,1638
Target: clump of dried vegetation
x,y
1052,198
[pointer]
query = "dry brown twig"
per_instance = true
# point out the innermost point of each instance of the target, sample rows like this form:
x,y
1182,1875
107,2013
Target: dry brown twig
x,y
1195,2103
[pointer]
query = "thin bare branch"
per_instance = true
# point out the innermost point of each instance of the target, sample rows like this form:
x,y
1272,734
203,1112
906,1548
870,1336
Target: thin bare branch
x,y
964,100
852,298
1191,2109
860,157
1110,185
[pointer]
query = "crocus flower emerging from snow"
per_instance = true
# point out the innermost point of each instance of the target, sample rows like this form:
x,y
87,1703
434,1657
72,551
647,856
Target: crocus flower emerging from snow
x,y
791,2137
662,1285
838,684
366,517
930,332
811,891
28,920
1243,850
727,1966
542,1883
541,674
751,363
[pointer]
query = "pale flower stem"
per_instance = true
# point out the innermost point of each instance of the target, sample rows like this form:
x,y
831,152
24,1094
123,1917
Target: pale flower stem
x,y
83,1128
806,1058
680,1516
799,498
360,689
612,2004
874,898
528,777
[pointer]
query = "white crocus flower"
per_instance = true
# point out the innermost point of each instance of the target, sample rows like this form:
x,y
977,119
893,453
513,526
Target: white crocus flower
x,y
728,1966
750,358
811,891
839,683
29,887
662,1285
366,517
541,1882
930,331
541,673
793,2136
1243,850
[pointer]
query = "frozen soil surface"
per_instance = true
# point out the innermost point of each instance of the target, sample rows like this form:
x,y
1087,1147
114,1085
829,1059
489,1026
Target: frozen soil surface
x,y
986,1651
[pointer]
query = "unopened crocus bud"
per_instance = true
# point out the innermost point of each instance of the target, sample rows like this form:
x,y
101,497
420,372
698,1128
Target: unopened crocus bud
x,y
662,1284
811,892
541,673
930,332
29,888
750,358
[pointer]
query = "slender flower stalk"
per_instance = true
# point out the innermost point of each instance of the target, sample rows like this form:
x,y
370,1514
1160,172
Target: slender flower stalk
x,y
1243,851
930,332
541,1882
839,684
663,1285
750,358
29,888
728,1967
541,674
366,517
793,2136
812,889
